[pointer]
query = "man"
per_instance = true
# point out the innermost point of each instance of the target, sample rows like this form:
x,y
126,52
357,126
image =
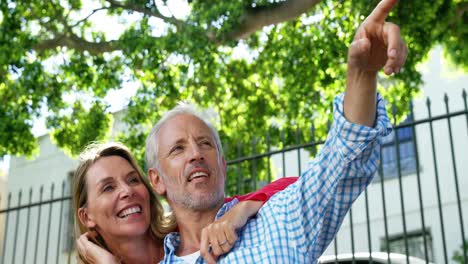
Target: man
x,y
296,225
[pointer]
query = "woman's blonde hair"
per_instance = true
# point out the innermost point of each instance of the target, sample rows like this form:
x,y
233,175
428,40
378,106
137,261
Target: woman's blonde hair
x,y
160,225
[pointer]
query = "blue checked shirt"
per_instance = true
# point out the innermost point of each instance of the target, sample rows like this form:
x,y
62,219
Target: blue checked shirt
x,y
297,224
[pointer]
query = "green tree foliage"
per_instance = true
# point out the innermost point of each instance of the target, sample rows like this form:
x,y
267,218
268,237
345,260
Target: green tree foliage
x,y
295,65
458,255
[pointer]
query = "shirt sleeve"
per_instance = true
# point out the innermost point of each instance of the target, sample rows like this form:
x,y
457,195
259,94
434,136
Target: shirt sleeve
x,y
263,194
314,206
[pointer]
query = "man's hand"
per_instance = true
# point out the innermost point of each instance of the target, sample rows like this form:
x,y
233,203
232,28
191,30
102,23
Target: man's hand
x,y
376,45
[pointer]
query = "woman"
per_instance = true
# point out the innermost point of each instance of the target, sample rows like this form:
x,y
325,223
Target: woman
x,y
116,208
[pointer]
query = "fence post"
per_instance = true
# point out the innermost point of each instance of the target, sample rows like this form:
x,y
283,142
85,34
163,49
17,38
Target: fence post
x,y
27,227
418,178
313,139
400,185
254,165
466,107
351,229
283,143
38,223
239,168
369,241
60,225
269,156
455,175
298,141
48,225
384,205
436,174
5,231
16,228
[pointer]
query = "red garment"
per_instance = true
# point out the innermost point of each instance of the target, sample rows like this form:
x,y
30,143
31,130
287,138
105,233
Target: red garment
x,y
266,192
263,194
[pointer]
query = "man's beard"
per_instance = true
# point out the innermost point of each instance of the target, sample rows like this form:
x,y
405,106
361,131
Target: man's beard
x,y
194,201
198,202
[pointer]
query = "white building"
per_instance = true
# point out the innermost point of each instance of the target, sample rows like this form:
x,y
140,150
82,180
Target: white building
x,y
3,199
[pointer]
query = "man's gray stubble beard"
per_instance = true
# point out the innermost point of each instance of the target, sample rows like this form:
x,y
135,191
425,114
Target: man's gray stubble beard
x,y
189,202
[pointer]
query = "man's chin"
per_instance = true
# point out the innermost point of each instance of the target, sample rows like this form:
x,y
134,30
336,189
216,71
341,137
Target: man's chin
x,y
204,202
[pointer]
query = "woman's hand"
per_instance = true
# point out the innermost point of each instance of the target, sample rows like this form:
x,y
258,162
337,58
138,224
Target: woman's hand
x,y
221,234
93,253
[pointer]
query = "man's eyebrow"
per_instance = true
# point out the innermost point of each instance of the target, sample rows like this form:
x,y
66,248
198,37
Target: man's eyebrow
x,y
178,141
205,137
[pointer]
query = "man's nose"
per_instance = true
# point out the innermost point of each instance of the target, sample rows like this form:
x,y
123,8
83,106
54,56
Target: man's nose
x,y
195,153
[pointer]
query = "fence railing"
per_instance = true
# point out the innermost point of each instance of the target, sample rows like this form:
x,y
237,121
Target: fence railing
x,y
417,205
418,197
38,232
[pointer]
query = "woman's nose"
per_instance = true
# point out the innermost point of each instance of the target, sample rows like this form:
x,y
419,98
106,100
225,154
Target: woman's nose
x,y
126,191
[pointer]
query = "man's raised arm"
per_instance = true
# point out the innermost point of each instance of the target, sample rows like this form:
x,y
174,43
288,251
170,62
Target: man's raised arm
x,y
376,45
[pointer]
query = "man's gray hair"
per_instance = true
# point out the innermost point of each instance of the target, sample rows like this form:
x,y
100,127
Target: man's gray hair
x,y
152,146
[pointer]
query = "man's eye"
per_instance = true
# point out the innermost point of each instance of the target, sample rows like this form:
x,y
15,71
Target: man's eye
x,y
206,143
177,149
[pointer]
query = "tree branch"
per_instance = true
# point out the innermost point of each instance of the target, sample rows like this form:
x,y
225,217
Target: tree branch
x,y
461,8
253,20
256,18
153,12
74,42
88,16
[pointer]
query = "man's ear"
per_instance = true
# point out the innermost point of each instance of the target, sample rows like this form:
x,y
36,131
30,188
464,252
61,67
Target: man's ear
x,y
85,219
223,165
157,181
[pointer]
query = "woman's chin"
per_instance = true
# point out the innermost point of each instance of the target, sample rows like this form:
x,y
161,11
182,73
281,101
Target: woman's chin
x,y
127,228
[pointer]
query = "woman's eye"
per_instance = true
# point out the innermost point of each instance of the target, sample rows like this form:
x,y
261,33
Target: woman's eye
x,y
108,188
135,180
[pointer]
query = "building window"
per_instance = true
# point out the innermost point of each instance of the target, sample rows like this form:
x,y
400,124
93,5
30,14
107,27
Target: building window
x,y
415,241
406,146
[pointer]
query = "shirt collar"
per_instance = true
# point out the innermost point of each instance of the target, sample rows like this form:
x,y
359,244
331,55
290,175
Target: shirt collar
x,y
172,240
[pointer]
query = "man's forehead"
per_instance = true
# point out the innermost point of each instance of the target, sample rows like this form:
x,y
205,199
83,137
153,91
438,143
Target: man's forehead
x,y
181,126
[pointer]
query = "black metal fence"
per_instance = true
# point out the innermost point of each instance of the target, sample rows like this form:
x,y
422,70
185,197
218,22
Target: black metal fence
x,y
417,204
38,232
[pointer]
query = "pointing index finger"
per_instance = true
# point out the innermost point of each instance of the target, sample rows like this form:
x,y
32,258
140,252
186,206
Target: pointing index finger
x,y
381,11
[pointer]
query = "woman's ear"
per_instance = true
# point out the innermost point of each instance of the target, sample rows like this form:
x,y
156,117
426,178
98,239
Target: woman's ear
x,y
85,219
157,182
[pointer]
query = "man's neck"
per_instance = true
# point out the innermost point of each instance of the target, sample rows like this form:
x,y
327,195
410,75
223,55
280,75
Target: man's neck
x,y
191,224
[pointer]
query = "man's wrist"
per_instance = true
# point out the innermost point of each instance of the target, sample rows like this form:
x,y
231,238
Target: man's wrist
x,y
360,97
358,79
248,209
